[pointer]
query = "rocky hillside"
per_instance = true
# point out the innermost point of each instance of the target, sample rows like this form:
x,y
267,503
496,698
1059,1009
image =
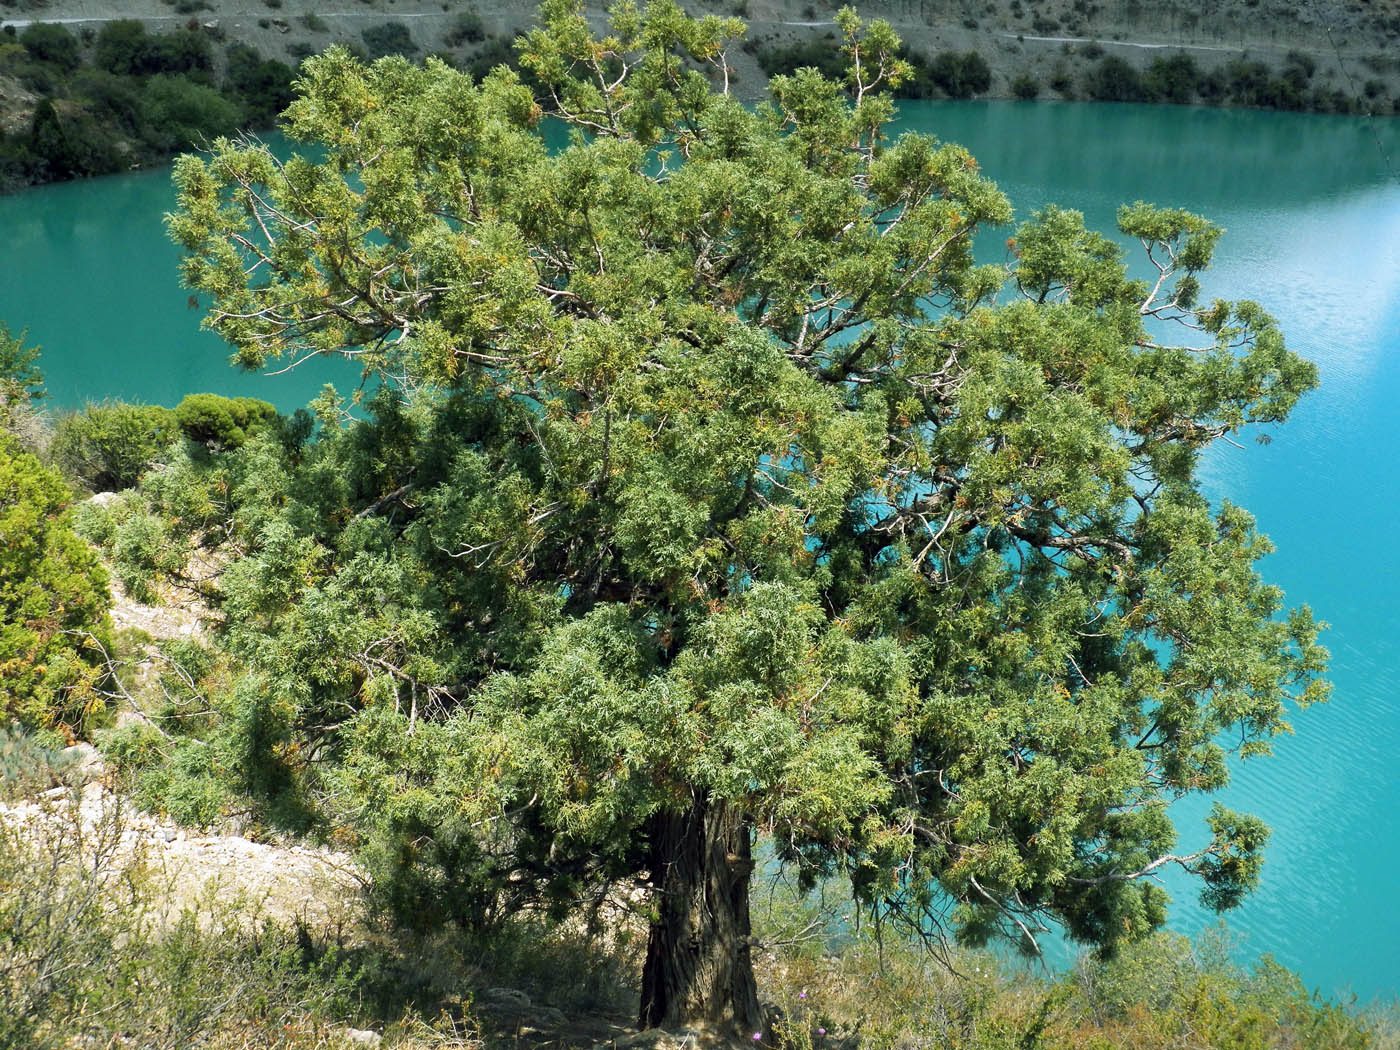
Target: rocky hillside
x,y
1349,45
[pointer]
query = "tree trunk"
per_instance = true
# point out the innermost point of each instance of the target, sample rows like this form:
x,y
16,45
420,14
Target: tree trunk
x,y
699,968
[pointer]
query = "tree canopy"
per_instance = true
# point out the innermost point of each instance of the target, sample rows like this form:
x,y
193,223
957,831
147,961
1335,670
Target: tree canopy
x,y
53,601
712,490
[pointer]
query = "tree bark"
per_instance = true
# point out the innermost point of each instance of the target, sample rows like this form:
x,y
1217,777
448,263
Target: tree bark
x,y
699,967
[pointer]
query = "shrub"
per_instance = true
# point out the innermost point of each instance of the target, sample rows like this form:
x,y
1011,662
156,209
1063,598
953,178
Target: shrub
x,y
949,73
820,53
65,144
21,380
111,99
30,762
1025,87
264,86
314,22
180,113
495,52
182,51
109,446
53,601
962,76
1113,80
1172,79
391,38
222,422
52,43
467,28
120,46
1303,64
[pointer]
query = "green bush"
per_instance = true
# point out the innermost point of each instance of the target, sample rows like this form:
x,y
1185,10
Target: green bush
x,y
180,113
1025,87
314,22
30,762
264,86
52,43
186,51
467,28
1172,79
948,73
53,601
820,53
391,38
111,99
120,46
109,446
1111,79
222,422
21,380
69,144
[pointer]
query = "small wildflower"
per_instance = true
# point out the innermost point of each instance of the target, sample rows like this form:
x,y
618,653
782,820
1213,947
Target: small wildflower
x,y
758,1035
801,995
821,1031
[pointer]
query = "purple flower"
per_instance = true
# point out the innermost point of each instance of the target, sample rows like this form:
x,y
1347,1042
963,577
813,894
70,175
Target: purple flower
x,y
821,1031
758,1035
801,995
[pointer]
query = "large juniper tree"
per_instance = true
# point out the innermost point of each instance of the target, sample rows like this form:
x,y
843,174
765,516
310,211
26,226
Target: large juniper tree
x,y
718,494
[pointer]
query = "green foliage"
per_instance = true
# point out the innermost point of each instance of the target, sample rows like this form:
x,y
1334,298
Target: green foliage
x,y
467,28
730,495
264,86
21,379
53,44
1172,79
100,951
222,422
125,109
314,22
109,446
390,38
1112,79
181,113
120,47
1025,87
959,75
820,53
53,602
1164,991
29,763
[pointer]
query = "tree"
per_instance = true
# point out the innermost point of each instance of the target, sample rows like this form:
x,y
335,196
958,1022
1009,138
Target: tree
x,y
716,493
21,379
53,601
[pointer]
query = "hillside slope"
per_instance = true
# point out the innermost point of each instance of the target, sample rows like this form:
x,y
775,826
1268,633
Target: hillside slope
x,y
1350,43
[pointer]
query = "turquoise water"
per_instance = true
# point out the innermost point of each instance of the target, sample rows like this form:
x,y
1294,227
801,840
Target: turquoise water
x,y
1312,213
1313,218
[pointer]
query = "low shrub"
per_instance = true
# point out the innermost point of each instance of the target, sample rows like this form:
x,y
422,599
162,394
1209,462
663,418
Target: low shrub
x,y
1172,79
109,446
1025,87
53,602
390,38
1112,79
467,28
52,43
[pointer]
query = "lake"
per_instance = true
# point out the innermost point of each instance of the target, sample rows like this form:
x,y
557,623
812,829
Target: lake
x,y
1312,209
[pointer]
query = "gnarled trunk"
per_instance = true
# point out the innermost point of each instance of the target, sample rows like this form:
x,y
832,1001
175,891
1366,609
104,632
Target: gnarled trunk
x,y
699,967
